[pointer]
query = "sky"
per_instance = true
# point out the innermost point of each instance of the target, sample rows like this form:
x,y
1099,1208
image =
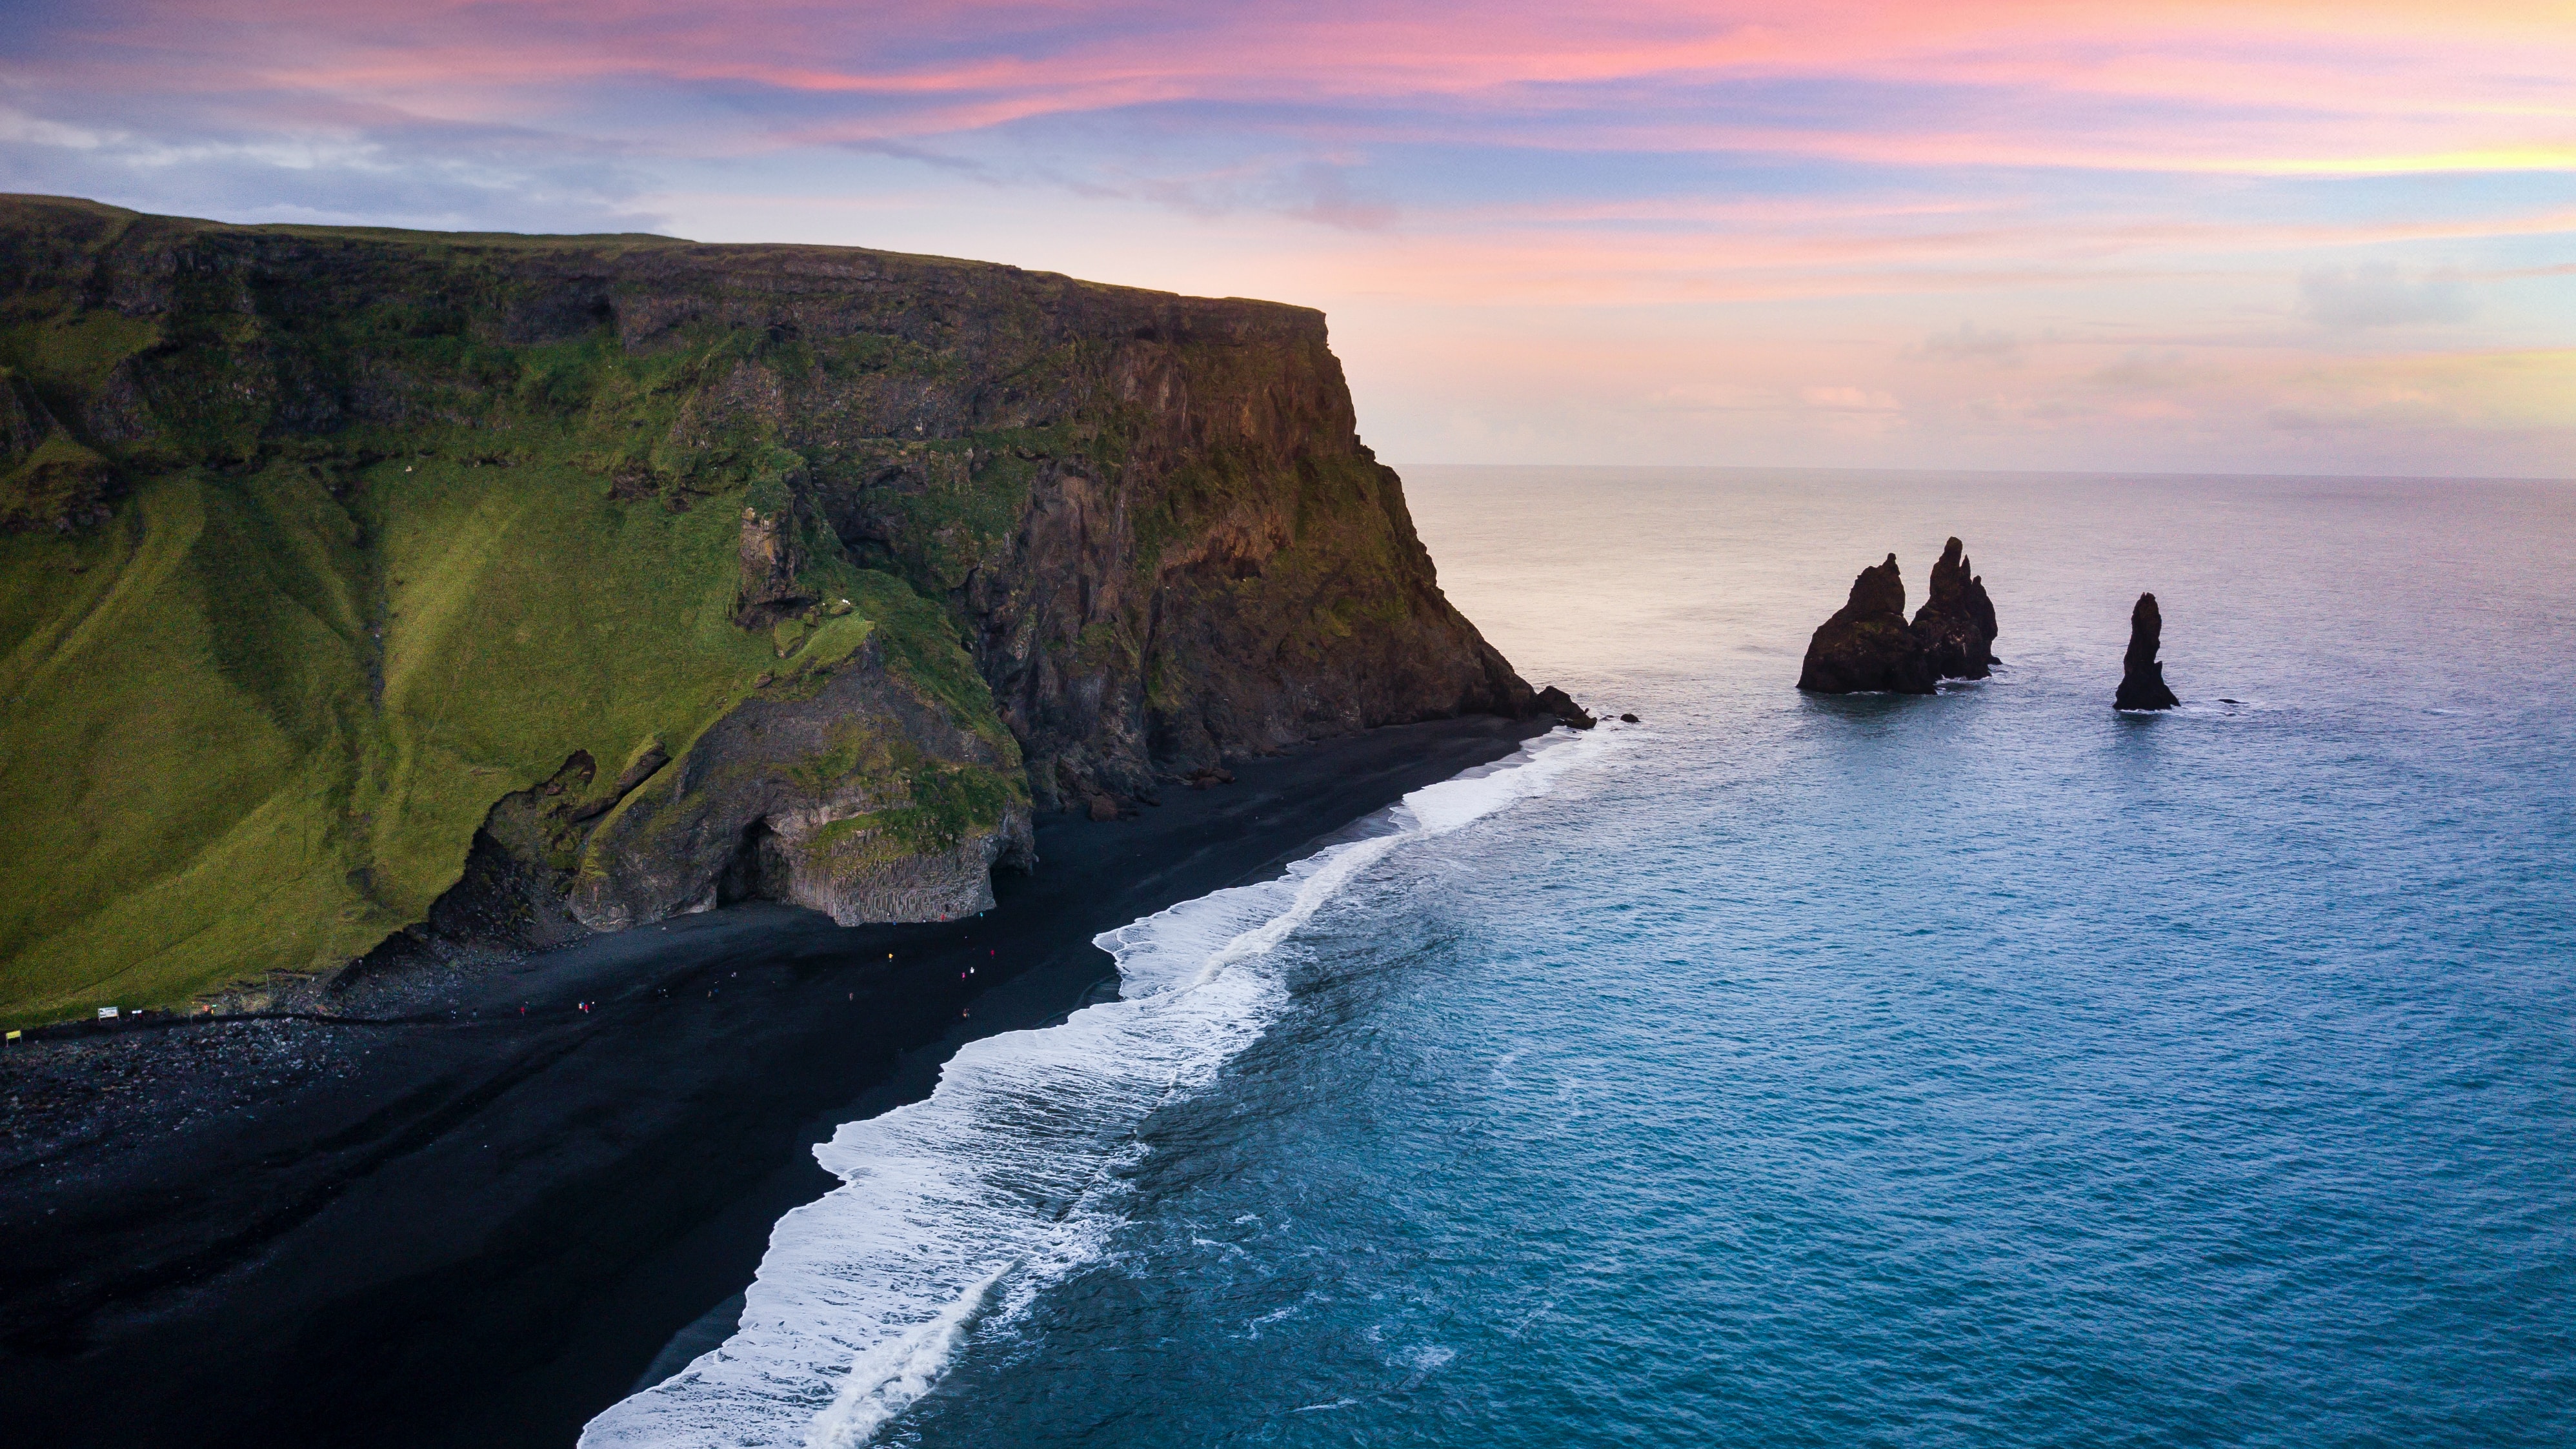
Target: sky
x,y
2250,237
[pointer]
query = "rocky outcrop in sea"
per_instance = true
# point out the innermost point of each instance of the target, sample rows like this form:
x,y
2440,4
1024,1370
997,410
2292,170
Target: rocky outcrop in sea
x,y
1956,627
1868,647
2142,679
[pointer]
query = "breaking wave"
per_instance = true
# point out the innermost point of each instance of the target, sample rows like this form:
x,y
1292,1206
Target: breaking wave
x,y
1009,1175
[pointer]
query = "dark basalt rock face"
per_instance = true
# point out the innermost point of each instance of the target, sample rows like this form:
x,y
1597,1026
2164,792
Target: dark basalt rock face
x,y
752,812
1866,646
770,559
1956,627
2142,679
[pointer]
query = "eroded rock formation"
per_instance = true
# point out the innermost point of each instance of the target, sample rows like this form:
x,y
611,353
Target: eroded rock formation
x,y
1867,646
864,800
2142,679
1956,626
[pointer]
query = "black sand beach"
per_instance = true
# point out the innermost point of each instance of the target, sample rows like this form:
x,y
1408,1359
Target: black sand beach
x,y
480,1226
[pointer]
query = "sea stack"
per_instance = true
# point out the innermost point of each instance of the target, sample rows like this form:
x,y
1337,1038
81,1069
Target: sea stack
x,y
1866,645
2142,680
1956,628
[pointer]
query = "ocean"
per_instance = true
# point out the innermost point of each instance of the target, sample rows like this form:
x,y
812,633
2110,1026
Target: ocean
x,y
1984,1068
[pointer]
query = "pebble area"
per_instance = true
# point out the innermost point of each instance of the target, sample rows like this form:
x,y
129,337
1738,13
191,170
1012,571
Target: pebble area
x,y
64,1094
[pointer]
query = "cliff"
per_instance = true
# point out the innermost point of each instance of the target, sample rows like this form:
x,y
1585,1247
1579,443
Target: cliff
x,y
357,582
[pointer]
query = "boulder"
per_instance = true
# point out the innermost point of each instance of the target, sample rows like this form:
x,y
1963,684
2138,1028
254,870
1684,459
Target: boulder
x,y
1866,646
1555,701
2142,679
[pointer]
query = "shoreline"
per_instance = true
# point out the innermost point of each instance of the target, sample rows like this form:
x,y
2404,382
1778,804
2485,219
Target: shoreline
x,y
482,1226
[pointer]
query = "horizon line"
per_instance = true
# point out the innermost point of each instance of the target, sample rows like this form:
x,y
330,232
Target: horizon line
x,y
2569,479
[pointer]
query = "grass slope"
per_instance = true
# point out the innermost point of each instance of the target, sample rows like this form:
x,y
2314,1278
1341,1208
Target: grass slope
x,y
253,720
252,727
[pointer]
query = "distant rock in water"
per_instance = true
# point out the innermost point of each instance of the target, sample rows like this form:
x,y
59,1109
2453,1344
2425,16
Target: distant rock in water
x,y
1956,628
1555,701
1866,645
2142,680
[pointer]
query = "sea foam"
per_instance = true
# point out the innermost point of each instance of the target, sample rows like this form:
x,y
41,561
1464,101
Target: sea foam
x,y
1010,1174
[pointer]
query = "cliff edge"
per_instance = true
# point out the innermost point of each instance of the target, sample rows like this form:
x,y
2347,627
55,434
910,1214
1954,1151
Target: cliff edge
x,y
361,582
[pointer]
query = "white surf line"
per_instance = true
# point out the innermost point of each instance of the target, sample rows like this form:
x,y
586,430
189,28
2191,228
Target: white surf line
x,y
1007,1177
886,1380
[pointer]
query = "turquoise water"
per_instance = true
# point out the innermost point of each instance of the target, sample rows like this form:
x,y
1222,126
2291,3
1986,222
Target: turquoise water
x,y
1986,1068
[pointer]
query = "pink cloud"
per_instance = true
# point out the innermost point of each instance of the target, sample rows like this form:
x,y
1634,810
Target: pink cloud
x,y
2267,88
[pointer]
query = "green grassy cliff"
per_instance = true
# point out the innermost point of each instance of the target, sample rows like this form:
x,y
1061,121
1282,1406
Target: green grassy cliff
x,y
647,573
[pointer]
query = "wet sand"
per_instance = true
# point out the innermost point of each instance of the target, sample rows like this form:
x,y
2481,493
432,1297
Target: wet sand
x,y
482,1225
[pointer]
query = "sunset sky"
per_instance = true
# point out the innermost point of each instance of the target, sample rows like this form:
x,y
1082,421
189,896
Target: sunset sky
x,y
2239,237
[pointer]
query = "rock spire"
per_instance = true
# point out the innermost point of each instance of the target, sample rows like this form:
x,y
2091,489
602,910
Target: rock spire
x,y
1956,628
2142,679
